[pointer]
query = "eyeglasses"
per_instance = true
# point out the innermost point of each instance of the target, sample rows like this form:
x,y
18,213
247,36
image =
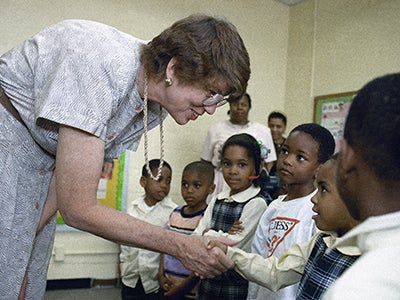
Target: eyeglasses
x,y
217,99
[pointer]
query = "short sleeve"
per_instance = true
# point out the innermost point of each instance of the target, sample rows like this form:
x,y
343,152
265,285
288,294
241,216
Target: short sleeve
x,y
74,89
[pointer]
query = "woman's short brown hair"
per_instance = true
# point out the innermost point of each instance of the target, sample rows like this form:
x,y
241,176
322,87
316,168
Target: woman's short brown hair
x,y
209,53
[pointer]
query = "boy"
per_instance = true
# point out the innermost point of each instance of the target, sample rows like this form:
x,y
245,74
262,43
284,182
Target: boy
x,y
277,122
369,183
309,262
139,267
288,219
197,185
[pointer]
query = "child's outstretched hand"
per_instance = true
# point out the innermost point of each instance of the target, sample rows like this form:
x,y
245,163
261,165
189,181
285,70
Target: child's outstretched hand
x,y
236,227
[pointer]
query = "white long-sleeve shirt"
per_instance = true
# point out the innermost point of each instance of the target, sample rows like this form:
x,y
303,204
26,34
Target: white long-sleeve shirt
x,y
376,274
277,272
136,262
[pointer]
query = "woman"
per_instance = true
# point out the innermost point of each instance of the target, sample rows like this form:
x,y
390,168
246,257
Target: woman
x,y
80,92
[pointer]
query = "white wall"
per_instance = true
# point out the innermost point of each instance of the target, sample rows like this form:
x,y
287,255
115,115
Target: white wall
x,y
263,25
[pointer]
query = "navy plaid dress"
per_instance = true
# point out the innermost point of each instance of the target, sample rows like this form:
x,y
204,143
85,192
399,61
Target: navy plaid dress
x,y
229,285
321,270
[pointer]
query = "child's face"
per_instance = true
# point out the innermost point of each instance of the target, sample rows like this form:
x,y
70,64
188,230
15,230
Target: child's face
x,y
195,188
157,190
237,166
277,128
298,159
331,212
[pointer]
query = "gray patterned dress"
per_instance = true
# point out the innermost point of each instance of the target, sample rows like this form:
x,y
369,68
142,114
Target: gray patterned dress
x,y
77,73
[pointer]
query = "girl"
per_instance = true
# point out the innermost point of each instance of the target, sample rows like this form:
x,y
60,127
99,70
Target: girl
x,y
241,165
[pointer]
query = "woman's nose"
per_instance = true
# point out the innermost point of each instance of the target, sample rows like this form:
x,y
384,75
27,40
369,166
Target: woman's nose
x,y
210,109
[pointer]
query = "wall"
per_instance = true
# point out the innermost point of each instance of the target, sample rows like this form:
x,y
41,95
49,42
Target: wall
x,y
263,25
338,46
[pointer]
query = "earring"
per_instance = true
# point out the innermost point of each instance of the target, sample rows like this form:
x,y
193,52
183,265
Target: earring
x,y
168,81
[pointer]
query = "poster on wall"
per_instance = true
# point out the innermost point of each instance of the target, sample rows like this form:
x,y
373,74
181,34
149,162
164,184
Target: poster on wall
x,y
331,110
111,191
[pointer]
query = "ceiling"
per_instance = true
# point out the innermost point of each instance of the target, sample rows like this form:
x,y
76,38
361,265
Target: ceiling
x,y
290,2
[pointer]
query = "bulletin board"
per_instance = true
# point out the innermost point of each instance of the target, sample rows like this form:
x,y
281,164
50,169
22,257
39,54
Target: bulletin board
x,y
111,190
330,111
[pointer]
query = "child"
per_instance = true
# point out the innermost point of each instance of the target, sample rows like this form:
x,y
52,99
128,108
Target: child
x,y
139,267
309,262
241,164
197,184
277,122
369,183
288,219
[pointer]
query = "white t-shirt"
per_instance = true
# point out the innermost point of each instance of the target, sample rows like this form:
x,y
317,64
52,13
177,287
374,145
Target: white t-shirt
x,y
283,224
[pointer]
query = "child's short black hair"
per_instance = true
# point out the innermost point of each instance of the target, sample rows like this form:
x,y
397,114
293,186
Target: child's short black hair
x,y
248,142
201,167
153,164
277,115
373,125
322,136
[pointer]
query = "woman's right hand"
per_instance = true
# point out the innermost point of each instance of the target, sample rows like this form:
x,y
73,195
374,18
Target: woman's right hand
x,y
215,243
205,261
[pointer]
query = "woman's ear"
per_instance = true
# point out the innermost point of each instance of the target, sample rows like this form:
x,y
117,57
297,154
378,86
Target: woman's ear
x,y
169,71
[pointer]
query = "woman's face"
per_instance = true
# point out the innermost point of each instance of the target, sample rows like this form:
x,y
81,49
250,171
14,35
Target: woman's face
x,y
185,103
239,111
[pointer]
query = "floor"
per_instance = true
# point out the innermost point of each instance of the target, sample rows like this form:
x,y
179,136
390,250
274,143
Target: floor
x,y
95,293
86,288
